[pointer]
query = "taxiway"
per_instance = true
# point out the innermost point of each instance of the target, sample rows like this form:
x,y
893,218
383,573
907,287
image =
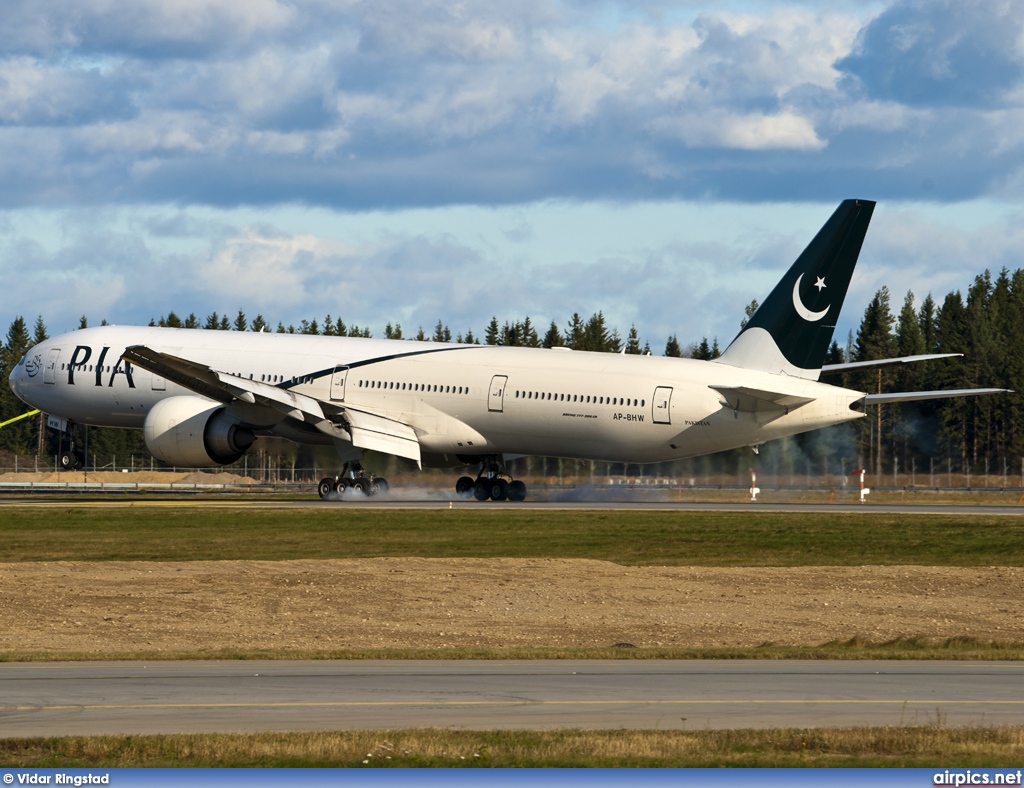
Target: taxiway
x,y
56,699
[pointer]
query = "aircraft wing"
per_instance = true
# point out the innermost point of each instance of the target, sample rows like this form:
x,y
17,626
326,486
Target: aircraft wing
x,y
883,362
750,400
366,429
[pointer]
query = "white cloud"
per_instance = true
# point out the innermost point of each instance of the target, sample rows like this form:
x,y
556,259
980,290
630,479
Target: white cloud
x,y
744,132
265,268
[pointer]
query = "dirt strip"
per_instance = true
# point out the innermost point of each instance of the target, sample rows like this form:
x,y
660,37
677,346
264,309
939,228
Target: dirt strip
x,y
495,603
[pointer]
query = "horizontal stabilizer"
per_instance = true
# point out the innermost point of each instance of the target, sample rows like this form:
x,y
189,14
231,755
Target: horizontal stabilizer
x,y
911,396
883,362
750,400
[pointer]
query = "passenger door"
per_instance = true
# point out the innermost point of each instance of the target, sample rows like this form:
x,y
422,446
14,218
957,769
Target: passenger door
x,y
50,372
663,405
496,395
338,383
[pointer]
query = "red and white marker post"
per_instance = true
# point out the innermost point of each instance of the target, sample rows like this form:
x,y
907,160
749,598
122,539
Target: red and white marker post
x,y
863,490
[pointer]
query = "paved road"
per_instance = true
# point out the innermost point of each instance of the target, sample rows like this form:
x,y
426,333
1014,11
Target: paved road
x,y
52,699
65,500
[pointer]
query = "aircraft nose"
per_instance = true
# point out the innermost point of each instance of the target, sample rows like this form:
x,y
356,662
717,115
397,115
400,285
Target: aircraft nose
x,y
18,380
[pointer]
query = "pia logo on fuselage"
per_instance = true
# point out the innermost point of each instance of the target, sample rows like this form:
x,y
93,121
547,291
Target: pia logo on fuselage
x,y
33,365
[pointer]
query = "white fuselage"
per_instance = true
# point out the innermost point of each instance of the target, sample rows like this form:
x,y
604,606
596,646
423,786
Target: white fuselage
x,y
465,400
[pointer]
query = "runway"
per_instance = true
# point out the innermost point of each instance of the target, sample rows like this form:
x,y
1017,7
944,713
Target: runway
x,y
57,699
426,504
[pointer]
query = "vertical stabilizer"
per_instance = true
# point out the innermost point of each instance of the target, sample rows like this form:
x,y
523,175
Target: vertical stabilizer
x,y
792,330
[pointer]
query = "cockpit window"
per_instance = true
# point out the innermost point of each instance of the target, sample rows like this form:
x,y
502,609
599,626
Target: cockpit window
x,y
20,363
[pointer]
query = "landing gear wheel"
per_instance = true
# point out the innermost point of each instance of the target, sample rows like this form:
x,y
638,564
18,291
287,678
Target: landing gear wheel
x,y
325,488
516,491
67,461
481,490
464,486
498,489
362,484
341,486
379,486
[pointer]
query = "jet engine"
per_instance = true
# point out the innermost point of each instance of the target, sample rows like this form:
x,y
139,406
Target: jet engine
x,y
195,433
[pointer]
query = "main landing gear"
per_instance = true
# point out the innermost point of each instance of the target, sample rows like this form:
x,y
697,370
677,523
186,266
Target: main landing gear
x,y
353,477
493,483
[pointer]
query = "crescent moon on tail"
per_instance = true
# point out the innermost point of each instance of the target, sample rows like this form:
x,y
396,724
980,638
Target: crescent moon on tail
x,y
803,311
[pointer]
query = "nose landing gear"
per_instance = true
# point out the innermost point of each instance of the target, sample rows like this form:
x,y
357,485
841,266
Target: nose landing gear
x,y
69,459
353,477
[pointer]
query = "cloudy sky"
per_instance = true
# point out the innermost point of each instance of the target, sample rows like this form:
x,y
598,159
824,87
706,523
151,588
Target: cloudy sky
x,y
410,160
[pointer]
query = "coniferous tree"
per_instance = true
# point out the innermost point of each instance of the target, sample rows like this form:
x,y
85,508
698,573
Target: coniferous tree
x,y
874,341
575,333
17,437
907,377
553,338
633,342
926,322
951,337
748,311
241,322
672,348
492,335
702,351
527,334
39,334
596,336
259,325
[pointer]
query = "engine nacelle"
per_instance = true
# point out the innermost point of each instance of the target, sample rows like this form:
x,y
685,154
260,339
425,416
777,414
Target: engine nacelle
x,y
195,433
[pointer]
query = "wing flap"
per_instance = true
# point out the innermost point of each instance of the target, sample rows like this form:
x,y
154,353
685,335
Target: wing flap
x,y
378,433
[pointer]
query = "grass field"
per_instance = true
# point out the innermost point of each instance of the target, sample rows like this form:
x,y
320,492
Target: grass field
x,y
935,747
98,533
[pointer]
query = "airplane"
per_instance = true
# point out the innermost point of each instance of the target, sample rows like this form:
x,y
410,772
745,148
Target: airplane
x,y
202,398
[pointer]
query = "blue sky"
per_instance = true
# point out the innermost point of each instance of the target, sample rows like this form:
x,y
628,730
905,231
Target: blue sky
x,y
410,160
